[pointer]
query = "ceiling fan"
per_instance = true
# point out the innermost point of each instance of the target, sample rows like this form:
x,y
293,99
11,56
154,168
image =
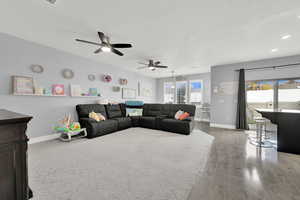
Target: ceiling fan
x,y
105,45
152,65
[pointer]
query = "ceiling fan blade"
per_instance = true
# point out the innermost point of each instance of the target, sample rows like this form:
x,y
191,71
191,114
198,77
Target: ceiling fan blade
x,y
157,63
121,45
161,66
117,52
98,50
143,63
142,67
85,41
101,36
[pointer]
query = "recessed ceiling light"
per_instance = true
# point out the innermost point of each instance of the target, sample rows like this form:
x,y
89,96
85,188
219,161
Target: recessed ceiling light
x,y
274,50
285,37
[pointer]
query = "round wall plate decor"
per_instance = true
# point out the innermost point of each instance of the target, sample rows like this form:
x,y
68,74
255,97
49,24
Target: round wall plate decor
x,y
68,73
107,78
91,77
37,69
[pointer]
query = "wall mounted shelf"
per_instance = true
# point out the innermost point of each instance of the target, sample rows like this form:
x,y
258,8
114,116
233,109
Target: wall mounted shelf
x,y
85,96
40,95
43,95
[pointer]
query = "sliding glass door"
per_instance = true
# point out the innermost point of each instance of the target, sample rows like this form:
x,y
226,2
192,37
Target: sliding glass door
x,y
260,94
289,94
272,94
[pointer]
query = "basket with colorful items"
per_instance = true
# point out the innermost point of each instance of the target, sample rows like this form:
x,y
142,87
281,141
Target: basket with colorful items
x,y
67,125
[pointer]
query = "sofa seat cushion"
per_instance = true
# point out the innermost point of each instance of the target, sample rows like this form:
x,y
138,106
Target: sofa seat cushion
x,y
148,122
123,122
176,126
95,128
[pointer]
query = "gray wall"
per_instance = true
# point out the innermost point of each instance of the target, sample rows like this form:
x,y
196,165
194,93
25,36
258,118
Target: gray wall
x,y
223,108
206,86
16,56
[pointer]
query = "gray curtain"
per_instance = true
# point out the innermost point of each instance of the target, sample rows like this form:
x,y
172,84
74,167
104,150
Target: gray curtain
x,y
241,116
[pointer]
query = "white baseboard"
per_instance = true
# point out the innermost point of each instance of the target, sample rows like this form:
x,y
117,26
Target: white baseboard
x,y
43,138
226,126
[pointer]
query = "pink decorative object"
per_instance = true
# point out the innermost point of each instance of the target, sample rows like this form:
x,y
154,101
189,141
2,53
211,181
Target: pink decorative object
x,y
58,89
107,78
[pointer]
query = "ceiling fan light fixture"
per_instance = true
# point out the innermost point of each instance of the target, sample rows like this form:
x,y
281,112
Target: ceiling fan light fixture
x,y
152,68
106,49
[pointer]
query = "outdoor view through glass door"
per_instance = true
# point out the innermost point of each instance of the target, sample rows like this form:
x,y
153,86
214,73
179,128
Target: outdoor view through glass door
x,y
272,94
289,94
260,94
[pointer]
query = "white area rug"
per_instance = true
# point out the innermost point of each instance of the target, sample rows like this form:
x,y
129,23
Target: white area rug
x,y
134,164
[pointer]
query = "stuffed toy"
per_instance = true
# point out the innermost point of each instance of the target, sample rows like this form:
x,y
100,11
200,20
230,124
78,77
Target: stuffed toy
x,y
96,116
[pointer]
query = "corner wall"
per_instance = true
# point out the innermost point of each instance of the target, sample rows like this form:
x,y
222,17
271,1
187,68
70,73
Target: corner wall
x,y
16,56
223,106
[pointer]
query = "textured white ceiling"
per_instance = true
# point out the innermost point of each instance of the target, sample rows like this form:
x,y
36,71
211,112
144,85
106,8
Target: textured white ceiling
x,y
189,36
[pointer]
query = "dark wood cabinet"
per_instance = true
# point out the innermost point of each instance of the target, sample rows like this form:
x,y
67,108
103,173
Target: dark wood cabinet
x,y
13,156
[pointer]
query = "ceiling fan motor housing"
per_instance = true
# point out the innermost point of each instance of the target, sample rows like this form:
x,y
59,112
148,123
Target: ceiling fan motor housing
x,y
51,1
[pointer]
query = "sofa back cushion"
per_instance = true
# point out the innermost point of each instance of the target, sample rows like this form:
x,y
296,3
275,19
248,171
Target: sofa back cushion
x,y
83,110
152,110
123,109
113,111
165,109
184,107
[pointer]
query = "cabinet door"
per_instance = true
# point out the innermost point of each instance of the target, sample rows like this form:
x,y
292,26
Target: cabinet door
x,y
8,172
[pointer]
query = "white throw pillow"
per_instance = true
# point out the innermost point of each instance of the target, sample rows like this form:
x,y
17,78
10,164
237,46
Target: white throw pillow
x,y
178,114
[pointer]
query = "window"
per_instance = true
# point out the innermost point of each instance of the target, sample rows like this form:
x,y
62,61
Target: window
x,y
196,87
169,92
181,92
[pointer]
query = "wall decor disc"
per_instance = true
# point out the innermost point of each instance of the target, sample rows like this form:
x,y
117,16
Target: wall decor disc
x,y
68,73
91,77
107,78
37,69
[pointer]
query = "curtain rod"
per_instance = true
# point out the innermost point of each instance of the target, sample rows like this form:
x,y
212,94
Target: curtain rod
x,y
270,67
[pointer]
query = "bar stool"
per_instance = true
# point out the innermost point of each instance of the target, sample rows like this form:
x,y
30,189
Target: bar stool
x,y
260,139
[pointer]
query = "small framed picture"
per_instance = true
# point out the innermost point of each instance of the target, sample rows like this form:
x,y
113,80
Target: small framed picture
x,y
23,85
58,89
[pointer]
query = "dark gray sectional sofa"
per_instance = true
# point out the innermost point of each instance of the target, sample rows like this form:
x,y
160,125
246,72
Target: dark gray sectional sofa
x,y
155,116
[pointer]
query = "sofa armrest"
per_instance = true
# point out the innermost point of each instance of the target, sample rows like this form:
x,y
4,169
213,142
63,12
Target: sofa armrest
x,y
87,120
90,125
